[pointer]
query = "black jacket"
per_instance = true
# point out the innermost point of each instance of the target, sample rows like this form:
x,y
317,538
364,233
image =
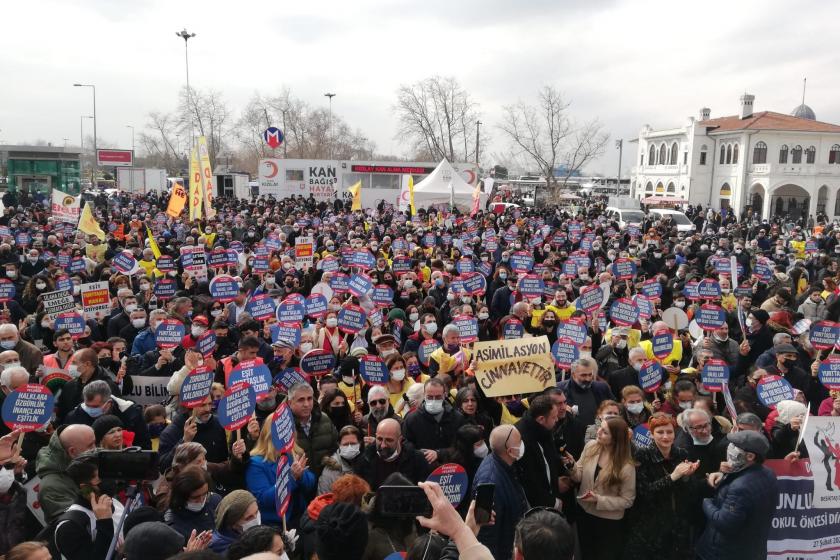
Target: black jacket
x,y
540,489
73,538
71,394
130,414
425,432
410,464
621,378
210,434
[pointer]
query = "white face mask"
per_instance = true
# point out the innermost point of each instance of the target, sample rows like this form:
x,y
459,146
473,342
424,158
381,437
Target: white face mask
x,y
130,307
196,506
679,304
77,289
40,285
11,274
7,477
305,347
736,457
635,408
430,328
138,323
349,451
621,344
398,374
216,313
255,522
413,316
434,407
332,322
520,451
481,452
144,286
197,331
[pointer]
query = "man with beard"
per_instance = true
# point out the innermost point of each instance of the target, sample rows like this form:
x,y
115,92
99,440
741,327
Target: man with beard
x,y
379,403
391,454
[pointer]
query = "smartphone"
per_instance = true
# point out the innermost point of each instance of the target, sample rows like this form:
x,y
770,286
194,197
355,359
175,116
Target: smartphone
x,y
403,501
484,497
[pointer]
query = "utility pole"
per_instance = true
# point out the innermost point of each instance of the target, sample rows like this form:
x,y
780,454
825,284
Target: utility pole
x,y
285,134
186,36
477,129
620,145
93,87
329,125
132,138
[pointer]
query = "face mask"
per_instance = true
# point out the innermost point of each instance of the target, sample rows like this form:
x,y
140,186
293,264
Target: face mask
x,y
92,411
349,451
721,338
481,452
414,370
637,366
685,405
413,316
503,275
144,286
749,323
7,477
197,331
216,313
305,347
788,363
431,328
621,344
40,285
398,374
736,457
255,522
8,344
332,322
452,347
450,297
267,404
434,407
196,506
438,282
520,451
635,408
483,316
679,304
156,429
11,274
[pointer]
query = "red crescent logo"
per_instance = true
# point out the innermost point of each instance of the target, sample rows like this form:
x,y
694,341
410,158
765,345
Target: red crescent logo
x,y
471,174
273,166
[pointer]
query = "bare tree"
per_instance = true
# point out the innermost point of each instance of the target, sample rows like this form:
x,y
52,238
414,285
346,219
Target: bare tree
x,y
546,135
437,119
211,116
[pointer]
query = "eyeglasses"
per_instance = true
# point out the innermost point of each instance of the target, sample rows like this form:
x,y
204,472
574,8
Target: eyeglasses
x,y
378,402
705,426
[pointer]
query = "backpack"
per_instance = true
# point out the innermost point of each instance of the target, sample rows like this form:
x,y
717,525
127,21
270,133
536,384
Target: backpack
x,y
47,534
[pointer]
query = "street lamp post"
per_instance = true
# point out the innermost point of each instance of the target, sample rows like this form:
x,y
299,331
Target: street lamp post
x,y
329,124
477,128
93,87
186,36
82,140
132,138
620,145
285,134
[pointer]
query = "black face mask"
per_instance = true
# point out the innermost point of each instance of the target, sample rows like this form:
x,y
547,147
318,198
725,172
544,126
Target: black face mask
x,y
789,363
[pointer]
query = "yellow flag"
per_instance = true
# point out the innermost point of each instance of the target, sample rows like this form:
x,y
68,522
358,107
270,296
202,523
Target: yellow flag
x,y
152,243
207,183
411,194
177,200
356,191
89,225
196,195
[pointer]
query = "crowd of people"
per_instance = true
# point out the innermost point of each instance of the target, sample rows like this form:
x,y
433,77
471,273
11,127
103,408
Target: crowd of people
x,y
570,475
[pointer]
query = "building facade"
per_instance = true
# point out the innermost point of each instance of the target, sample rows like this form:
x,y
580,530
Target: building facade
x,y
771,163
38,169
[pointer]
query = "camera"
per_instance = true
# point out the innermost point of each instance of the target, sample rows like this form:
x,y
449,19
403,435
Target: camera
x,y
132,463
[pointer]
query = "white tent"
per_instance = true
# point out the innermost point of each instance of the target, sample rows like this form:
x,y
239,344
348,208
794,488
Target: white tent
x,y
443,185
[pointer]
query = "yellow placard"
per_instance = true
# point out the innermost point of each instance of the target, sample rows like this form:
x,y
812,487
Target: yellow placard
x,y
513,367
196,193
207,181
177,200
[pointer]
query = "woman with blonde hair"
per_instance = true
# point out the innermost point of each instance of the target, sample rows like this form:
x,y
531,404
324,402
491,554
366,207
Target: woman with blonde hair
x,y
607,478
261,476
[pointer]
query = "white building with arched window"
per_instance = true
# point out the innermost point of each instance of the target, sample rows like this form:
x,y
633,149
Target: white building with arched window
x,y
774,163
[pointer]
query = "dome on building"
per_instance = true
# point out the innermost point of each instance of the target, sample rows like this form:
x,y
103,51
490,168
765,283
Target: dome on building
x,y
804,112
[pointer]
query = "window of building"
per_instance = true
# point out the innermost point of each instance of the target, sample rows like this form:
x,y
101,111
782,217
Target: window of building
x,y
703,150
810,154
642,159
735,153
649,187
760,153
294,174
722,155
729,154
662,154
796,154
834,156
685,158
672,188
783,153
674,149
652,156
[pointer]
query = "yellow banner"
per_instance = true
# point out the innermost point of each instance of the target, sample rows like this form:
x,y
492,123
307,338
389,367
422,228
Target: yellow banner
x,y
207,182
152,243
356,191
411,194
89,225
513,367
196,196
177,201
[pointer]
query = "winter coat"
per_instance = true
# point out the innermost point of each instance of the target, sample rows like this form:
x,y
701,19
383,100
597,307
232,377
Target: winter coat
x,y
813,311
71,394
321,441
334,468
540,487
130,414
57,491
210,434
509,502
612,501
185,521
260,478
410,463
738,517
426,432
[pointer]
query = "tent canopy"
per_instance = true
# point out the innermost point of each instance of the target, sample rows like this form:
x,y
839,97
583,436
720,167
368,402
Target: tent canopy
x,y
439,186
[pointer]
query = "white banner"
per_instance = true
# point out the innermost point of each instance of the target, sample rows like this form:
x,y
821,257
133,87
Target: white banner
x,y
822,438
148,390
65,207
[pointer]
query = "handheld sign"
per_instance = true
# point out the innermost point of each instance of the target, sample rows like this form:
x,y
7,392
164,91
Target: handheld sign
x,y
7,290
290,311
196,386
290,332
288,377
690,290
373,369
352,319
253,372
360,284
124,262
316,306
772,389
645,306
641,436
662,344
452,479
165,288
710,317
338,283
383,295
652,288
261,307
513,329
574,330
317,362
165,263
521,262
282,492
531,285
206,343
475,282
169,333
283,428
829,372
71,321
624,269
824,334
424,352
624,312
714,375
590,299
467,327
237,406
564,353
650,376
28,407
708,289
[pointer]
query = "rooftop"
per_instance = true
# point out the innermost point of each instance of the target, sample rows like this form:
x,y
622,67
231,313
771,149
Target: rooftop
x,y
768,120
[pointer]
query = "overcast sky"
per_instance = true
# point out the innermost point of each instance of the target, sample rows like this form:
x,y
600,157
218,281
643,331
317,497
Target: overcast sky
x,y
626,62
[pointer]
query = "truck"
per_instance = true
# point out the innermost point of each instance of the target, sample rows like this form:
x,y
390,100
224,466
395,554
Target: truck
x,y
141,180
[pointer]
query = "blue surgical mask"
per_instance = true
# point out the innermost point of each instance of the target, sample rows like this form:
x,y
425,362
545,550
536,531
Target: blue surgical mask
x,y
92,411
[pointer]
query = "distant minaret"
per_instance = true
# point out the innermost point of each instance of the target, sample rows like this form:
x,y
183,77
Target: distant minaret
x,y
804,83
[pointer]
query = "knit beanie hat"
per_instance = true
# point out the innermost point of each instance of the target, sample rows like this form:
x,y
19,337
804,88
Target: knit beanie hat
x,y
233,507
104,424
152,541
143,514
342,531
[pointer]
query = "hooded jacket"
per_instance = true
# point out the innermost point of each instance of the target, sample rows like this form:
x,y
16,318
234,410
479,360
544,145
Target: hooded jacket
x,y
57,491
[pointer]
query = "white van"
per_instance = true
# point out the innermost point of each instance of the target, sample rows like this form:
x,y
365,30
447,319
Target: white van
x,y
625,216
677,218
